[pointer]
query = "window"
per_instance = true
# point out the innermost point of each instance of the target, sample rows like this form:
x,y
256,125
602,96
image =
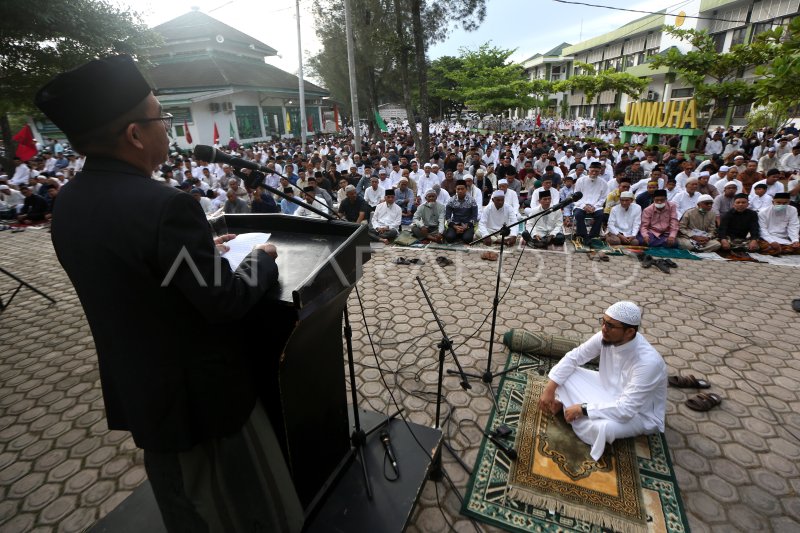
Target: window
x,y
248,122
682,93
738,36
628,61
719,41
740,111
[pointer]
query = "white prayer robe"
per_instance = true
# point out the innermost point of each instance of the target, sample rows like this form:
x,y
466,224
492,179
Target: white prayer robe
x,y
387,216
594,192
492,219
758,203
627,397
683,201
625,221
512,200
303,212
374,196
781,227
771,189
550,224
426,183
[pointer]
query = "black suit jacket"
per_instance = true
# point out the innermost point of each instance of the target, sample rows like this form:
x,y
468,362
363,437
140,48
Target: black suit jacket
x,y
162,305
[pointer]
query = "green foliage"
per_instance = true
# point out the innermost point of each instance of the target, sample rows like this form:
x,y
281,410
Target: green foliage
x,y
442,88
715,76
488,83
43,37
777,84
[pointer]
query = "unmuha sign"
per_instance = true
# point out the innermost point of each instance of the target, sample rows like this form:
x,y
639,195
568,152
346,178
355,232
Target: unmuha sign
x,y
671,114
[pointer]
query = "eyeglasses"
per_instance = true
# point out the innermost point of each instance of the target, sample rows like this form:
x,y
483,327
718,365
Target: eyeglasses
x,y
608,325
166,118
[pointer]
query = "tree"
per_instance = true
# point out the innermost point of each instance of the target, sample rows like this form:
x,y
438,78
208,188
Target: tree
x,y
489,83
44,37
443,89
716,77
776,87
593,84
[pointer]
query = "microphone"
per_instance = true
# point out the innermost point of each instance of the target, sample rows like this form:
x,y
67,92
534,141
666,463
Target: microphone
x,y
574,197
510,452
212,155
387,445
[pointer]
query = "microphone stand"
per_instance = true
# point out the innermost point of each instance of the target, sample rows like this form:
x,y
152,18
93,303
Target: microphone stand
x,y
260,181
504,231
445,345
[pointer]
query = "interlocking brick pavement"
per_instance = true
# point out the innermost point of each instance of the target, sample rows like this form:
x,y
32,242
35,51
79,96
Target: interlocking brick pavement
x,y
62,469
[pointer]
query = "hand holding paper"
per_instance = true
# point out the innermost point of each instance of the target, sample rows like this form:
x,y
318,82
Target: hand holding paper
x,y
241,245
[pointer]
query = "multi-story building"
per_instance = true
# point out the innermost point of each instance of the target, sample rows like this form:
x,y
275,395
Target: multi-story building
x,y
630,48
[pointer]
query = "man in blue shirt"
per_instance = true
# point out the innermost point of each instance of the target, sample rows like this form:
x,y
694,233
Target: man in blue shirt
x,y
288,207
461,214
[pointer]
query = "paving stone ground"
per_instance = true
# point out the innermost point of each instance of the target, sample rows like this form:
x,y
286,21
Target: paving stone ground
x,y
732,323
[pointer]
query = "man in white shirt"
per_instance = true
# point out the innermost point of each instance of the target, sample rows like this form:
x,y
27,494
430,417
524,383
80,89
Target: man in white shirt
x,y
511,198
771,181
309,196
687,198
791,162
682,177
546,229
624,221
373,195
386,220
779,227
768,161
594,192
714,145
22,173
627,397
759,199
494,216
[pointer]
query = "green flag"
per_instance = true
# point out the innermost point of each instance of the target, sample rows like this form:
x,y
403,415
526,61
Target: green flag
x,y
233,132
381,123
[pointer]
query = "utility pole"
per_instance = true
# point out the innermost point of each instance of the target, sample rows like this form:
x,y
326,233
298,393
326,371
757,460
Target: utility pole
x,y
351,67
303,123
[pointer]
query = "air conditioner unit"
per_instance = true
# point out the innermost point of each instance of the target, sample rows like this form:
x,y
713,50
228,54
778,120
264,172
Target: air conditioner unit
x,y
656,96
214,106
227,107
650,95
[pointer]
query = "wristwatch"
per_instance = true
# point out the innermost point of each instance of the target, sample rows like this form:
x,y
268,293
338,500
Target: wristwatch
x,y
584,409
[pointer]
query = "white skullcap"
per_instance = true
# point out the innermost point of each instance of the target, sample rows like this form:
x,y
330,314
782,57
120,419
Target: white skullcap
x,y
503,182
402,179
349,188
626,194
705,198
431,191
626,312
5,188
480,172
731,184
426,165
739,157
691,180
704,173
498,193
382,171
724,168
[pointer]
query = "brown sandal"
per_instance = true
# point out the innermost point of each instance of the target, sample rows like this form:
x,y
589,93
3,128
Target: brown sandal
x,y
489,256
704,401
688,382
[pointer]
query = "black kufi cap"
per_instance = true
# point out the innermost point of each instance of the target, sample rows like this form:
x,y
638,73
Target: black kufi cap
x,y
389,192
782,195
94,94
287,190
659,193
461,182
308,189
544,194
741,195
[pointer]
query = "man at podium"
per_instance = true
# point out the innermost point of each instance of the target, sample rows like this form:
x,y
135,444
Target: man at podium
x,y
187,396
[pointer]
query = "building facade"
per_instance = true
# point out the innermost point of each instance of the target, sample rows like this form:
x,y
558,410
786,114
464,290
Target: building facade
x,y
631,47
211,76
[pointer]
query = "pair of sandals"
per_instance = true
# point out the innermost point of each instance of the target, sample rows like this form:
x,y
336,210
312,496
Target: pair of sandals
x,y
404,261
489,256
597,256
663,264
703,401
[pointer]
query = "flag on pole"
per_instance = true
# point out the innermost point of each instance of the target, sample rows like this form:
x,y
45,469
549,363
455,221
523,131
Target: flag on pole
x,y
381,124
216,134
26,145
538,121
187,133
233,132
336,117
288,123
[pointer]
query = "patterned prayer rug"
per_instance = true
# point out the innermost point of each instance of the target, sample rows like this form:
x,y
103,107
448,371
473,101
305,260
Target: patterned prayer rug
x,y
555,486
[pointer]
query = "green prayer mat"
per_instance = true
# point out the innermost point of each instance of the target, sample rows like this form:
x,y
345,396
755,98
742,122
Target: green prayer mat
x,y
596,245
554,485
672,253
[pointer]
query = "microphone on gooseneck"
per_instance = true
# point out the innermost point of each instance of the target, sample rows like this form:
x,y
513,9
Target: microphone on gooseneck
x,y
574,197
212,155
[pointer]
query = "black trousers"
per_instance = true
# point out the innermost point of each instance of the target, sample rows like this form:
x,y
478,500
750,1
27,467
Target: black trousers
x,y
450,235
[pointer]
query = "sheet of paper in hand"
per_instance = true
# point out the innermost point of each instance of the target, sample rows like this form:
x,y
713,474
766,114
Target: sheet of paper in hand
x,y
242,245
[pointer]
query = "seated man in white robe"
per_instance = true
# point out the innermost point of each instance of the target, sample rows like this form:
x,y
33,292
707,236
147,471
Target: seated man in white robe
x,y
510,199
779,227
494,216
624,221
627,397
547,229
387,218
309,195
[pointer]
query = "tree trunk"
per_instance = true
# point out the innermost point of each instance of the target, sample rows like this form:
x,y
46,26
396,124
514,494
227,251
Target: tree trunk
x,y
11,147
423,149
402,61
